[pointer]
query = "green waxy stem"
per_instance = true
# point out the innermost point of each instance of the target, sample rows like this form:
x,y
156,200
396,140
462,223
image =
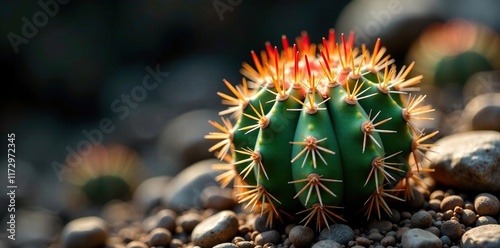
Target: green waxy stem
x,y
243,138
316,156
345,143
357,148
273,145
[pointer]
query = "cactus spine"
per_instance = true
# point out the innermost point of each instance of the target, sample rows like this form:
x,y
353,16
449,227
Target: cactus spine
x,y
321,132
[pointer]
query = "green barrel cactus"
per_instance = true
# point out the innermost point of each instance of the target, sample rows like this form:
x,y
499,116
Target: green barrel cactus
x,y
321,130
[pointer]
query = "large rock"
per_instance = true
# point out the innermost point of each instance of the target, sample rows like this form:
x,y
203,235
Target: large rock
x,y
184,190
487,236
469,160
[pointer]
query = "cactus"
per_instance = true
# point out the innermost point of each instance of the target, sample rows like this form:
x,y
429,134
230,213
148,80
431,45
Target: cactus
x,y
321,134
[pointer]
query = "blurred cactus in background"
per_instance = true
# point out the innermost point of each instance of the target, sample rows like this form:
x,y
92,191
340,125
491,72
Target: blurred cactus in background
x,y
452,52
106,173
320,128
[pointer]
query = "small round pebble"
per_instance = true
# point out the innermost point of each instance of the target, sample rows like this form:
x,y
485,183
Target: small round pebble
x,y
375,236
189,220
421,219
166,219
400,232
216,229
435,204
327,244
271,236
434,230
136,244
437,194
160,237
388,241
245,244
485,220
85,232
452,229
468,217
450,202
486,204
301,235
337,232
446,240
362,241
226,245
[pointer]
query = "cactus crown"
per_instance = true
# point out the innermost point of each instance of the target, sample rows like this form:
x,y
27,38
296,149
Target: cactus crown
x,y
315,133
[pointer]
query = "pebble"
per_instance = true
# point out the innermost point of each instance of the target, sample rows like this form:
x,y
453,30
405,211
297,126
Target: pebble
x,y
337,232
388,241
166,219
468,160
216,229
452,229
487,236
301,235
450,202
418,238
376,236
434,230
445,240
327,244
383,226
85,232
362,241
226,245
482,113
188,221
160,237
421,219
400,232
486,204
271,236
137,244
468,217
217,198
485,220
184,190
245,244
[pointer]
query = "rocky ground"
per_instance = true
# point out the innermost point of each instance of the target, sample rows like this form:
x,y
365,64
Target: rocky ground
x,y
191,210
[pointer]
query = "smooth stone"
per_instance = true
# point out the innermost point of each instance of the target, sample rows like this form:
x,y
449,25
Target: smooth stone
x,y
469,160
421,219
149,193
485,220
160,237
184,190
486,204
337,232
482,113
452,229
450,202
85,232
301,236
271,236
418,238
183,137
226,245
189,221
218,198
216,229
487,236
383,226
327,244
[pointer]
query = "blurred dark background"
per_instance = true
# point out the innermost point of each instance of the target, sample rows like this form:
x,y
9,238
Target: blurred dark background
x,y
82,56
